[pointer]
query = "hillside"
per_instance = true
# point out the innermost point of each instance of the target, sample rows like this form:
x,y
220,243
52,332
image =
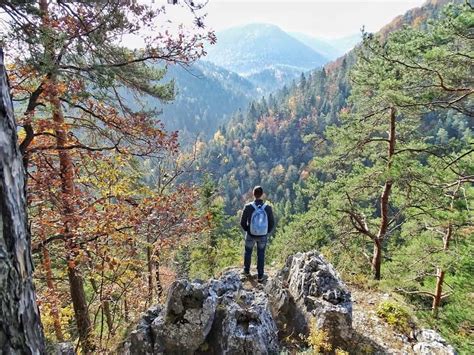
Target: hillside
x,y
192,113
247,62
195,114
254,49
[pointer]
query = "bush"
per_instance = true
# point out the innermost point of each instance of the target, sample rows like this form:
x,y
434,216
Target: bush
x,y
318,339
395,315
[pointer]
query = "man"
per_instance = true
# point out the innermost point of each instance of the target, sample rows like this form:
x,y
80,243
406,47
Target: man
x,y
257,218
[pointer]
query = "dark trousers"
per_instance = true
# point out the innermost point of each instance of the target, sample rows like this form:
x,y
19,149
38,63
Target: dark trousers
x,y
261,244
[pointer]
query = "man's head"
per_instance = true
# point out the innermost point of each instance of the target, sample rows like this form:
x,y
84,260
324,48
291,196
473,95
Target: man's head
x,y
257,192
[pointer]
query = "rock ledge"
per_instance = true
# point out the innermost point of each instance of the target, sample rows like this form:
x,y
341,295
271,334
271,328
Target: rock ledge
x,y
229,316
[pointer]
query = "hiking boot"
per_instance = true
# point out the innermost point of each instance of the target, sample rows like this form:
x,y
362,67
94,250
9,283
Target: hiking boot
x,y
262,279
244,275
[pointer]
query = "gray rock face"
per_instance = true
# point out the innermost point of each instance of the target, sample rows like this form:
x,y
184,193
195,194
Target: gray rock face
x,y
65,348
431,343
308,289
244,325
218,317
187,318
141,339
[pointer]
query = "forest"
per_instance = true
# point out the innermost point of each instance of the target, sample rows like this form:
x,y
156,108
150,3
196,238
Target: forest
x,y
367,159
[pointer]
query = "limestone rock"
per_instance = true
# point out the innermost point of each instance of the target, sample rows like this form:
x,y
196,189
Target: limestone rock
x,y
141,340
431,343
187,318
306,289
218,317
244,325
65,348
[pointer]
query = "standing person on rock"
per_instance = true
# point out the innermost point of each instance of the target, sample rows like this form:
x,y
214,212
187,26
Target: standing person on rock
x,y
257,221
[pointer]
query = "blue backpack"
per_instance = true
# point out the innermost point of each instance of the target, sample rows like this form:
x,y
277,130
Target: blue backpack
x,y
259,220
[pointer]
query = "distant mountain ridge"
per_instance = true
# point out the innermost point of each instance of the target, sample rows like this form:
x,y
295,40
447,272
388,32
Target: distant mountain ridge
x,y
247,62
248,49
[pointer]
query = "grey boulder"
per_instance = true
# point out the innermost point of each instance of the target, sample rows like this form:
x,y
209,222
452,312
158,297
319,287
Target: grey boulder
x,y
187,318
307,290
430,342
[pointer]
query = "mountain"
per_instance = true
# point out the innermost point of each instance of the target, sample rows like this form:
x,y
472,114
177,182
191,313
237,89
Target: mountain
x,y
256,48
251,48
330,48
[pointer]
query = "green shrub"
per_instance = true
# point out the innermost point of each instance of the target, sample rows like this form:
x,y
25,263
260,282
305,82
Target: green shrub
x,y
395,315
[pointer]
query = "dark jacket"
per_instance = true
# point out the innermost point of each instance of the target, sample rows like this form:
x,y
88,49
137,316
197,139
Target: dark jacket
x,y
247,215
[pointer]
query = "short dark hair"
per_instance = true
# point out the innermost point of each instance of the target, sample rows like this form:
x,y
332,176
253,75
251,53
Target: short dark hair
x,y
257,191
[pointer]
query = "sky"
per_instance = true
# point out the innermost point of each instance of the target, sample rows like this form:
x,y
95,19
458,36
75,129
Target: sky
x,y
320,18
324,19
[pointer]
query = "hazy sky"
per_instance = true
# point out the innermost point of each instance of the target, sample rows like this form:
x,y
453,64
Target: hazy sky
x,y
321,18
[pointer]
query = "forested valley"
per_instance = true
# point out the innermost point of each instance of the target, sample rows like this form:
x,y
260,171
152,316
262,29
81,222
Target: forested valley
x,y
130,186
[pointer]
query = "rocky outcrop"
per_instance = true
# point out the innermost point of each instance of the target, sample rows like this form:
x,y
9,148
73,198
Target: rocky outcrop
x,y
224,316
307,290
218,317
187,317
228,316
181,326
244,323
431,343
65,348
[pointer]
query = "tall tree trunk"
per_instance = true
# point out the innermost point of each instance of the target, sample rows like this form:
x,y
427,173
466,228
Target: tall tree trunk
x,y
377,259
81,311
126,312
447,236
438,294
20,325
76,281
159,286
385,199
66,171
108,317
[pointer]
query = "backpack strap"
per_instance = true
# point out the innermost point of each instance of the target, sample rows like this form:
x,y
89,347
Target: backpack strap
x,y
254,205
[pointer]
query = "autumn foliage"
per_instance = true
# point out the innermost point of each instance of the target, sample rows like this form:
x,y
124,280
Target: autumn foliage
x,y
100,230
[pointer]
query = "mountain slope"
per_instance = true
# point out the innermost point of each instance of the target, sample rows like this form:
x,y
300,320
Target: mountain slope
x,y
206,96
251,48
